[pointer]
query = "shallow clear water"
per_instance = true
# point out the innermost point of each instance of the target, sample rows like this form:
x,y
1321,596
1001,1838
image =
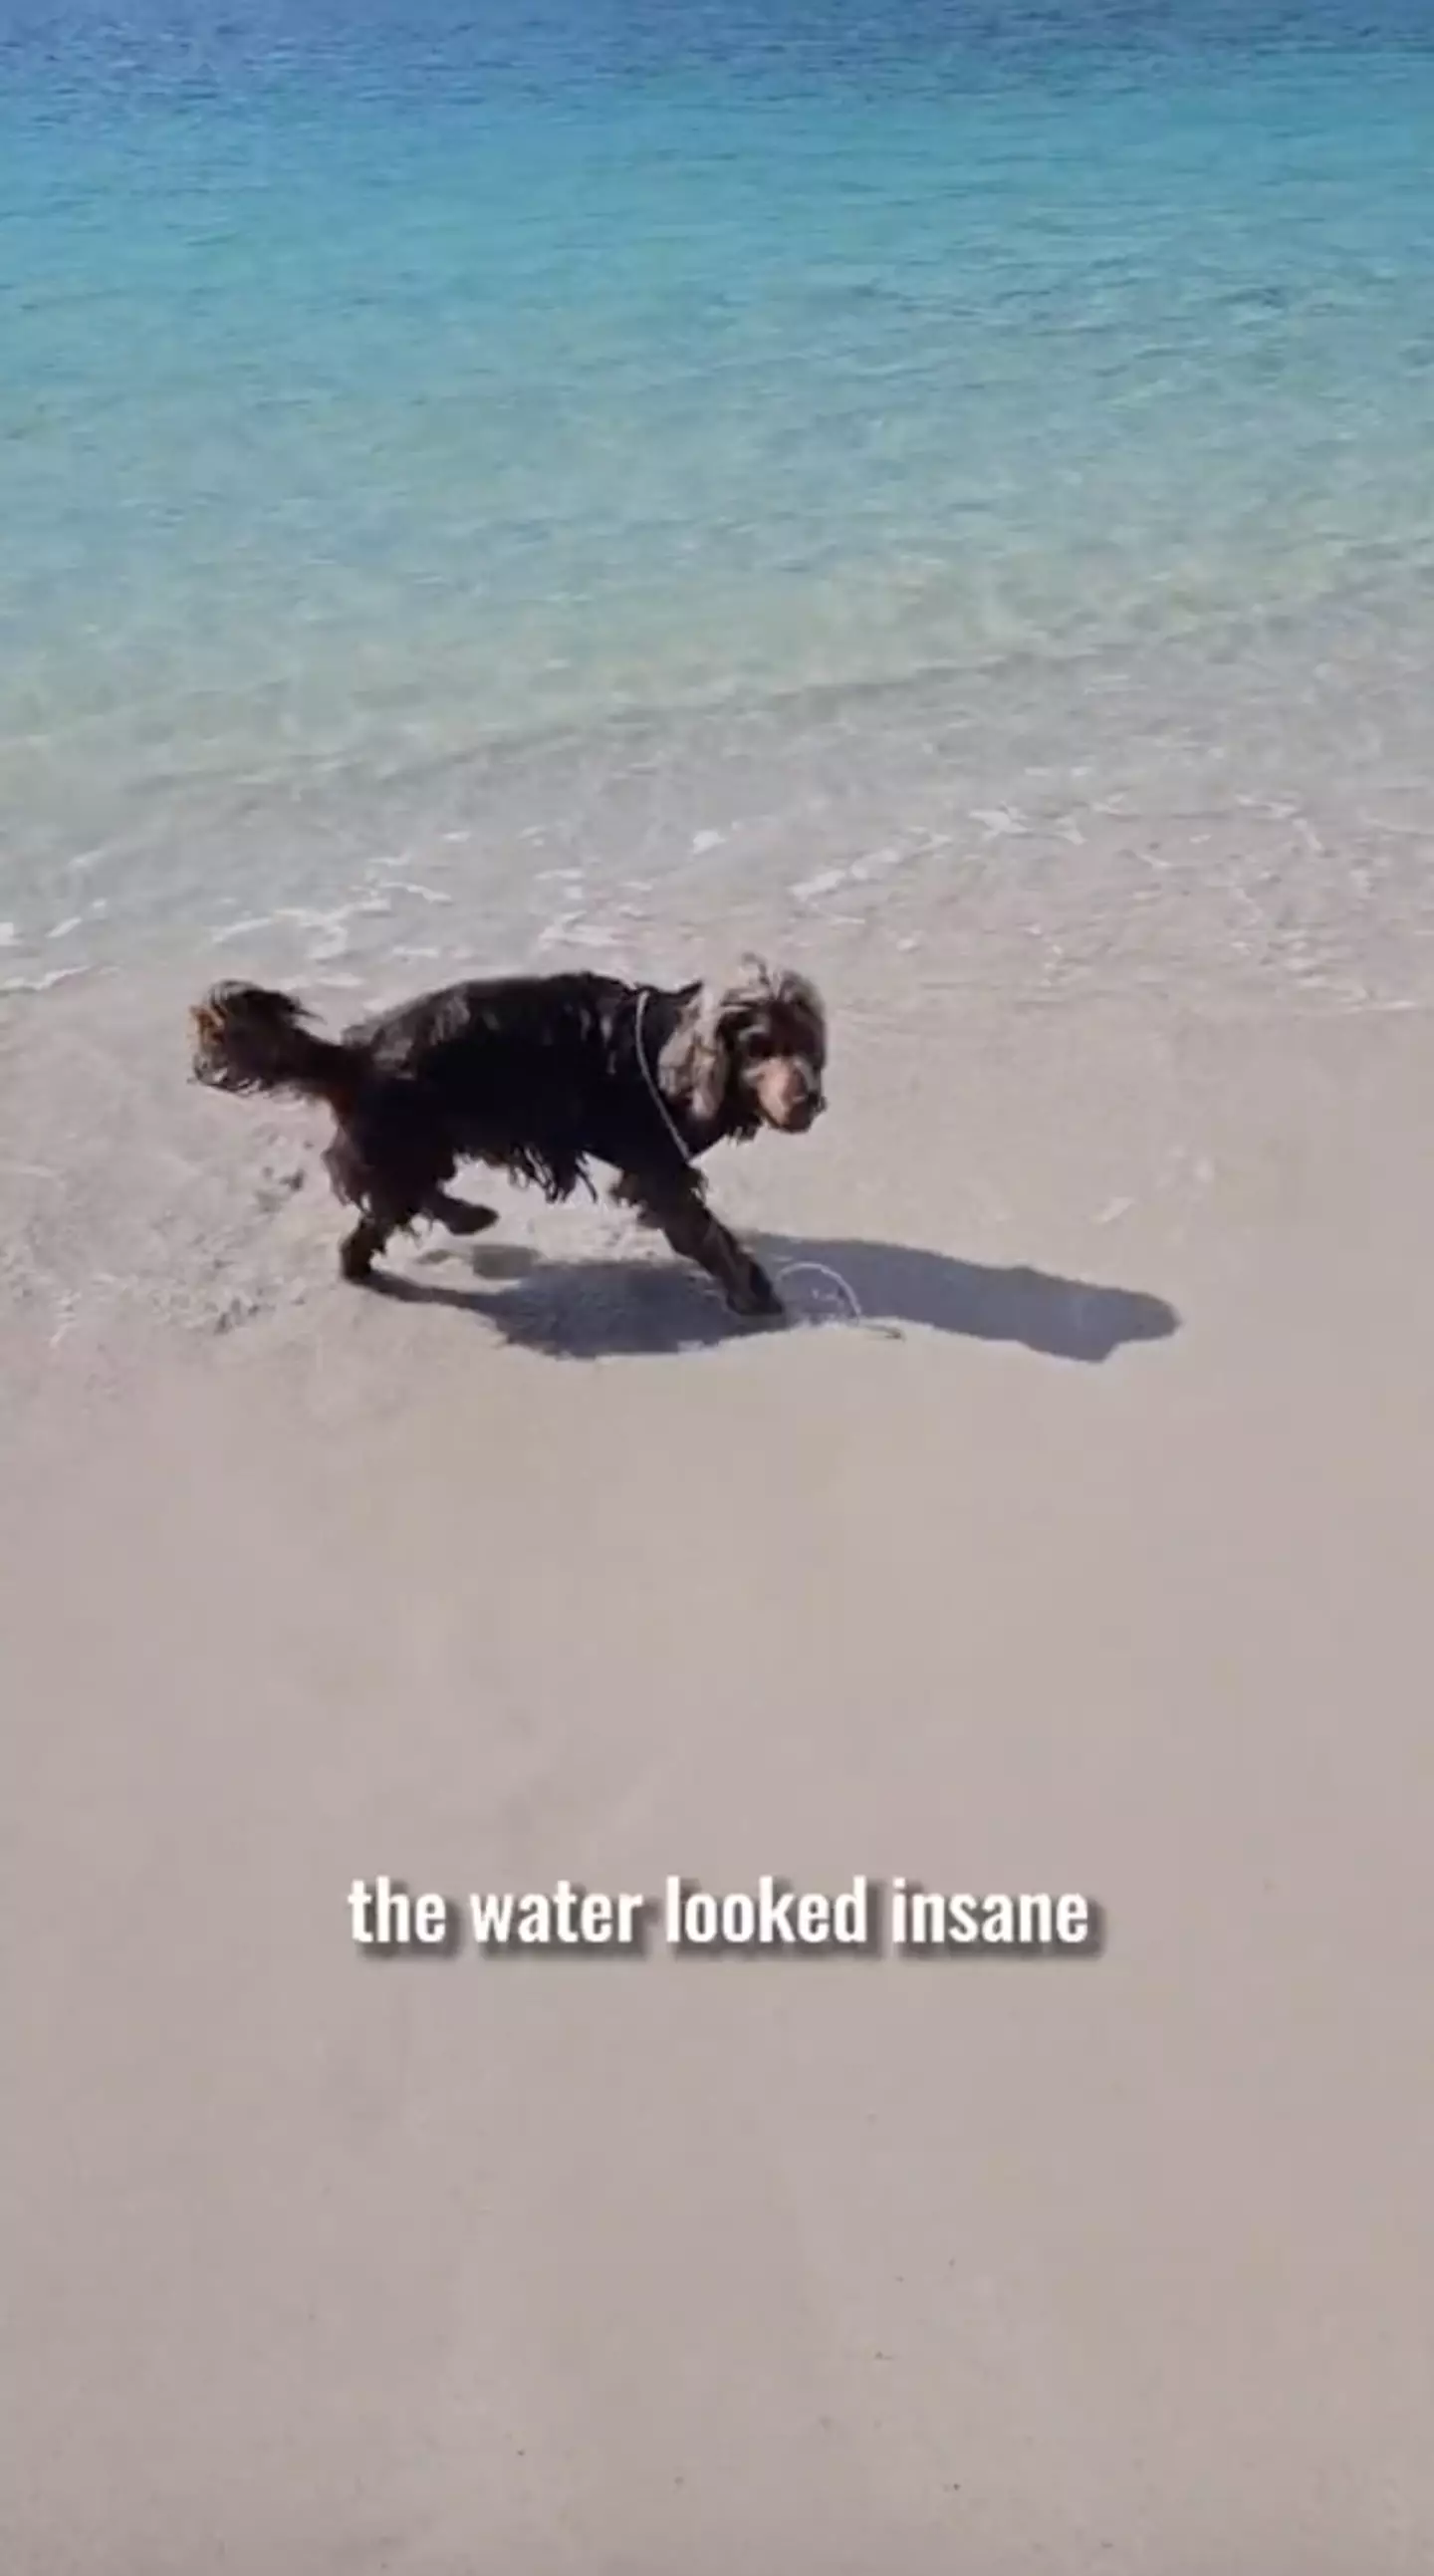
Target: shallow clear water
x,y
431,433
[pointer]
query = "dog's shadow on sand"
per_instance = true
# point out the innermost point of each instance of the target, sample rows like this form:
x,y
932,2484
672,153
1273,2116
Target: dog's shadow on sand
x,y
606,1308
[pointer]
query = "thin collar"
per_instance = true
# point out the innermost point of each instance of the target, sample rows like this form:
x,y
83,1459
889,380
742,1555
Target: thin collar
x,y
659,1104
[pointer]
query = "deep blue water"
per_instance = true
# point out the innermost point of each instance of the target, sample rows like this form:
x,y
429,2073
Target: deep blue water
x,y
382,382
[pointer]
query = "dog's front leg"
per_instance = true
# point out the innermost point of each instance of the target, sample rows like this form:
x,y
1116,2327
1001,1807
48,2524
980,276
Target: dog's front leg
x,y
679,1212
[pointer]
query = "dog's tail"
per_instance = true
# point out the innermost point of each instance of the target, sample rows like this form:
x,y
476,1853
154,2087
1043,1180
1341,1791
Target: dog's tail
x,y
247,1038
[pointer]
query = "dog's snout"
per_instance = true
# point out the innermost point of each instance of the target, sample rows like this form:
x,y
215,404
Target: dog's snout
x,y
807,1105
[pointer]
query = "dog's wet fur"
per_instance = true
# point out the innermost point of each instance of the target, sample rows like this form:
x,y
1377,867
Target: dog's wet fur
x,y
538,1076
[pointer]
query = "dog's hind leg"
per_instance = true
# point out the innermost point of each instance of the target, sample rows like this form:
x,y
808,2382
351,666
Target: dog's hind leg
x,y
460,1216
383,1214
361,1247
678,1211
350,1173
391,1176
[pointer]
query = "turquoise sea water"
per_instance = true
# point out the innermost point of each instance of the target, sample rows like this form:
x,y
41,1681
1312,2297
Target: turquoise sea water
x,y
414,418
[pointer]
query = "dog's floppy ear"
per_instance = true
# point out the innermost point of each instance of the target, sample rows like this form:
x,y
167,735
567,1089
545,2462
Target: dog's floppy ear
x,y
697,1060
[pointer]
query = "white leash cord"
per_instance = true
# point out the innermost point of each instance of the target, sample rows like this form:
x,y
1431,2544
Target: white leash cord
x,y
659,1104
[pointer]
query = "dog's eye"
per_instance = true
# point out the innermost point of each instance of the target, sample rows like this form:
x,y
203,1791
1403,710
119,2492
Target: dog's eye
x,y
755,1046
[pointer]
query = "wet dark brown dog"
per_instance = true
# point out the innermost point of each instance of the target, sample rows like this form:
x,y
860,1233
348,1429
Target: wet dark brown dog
x,y
538,1076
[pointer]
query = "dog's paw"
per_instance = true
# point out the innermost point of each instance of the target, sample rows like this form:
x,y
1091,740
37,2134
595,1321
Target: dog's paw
x,y
756,1297
460,1216
356,1262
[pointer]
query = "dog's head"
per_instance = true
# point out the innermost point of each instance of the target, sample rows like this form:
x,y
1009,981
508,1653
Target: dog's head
x,y
751,1053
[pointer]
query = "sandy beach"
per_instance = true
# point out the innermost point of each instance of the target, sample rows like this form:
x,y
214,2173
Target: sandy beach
x,y
1094,1557
938,497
